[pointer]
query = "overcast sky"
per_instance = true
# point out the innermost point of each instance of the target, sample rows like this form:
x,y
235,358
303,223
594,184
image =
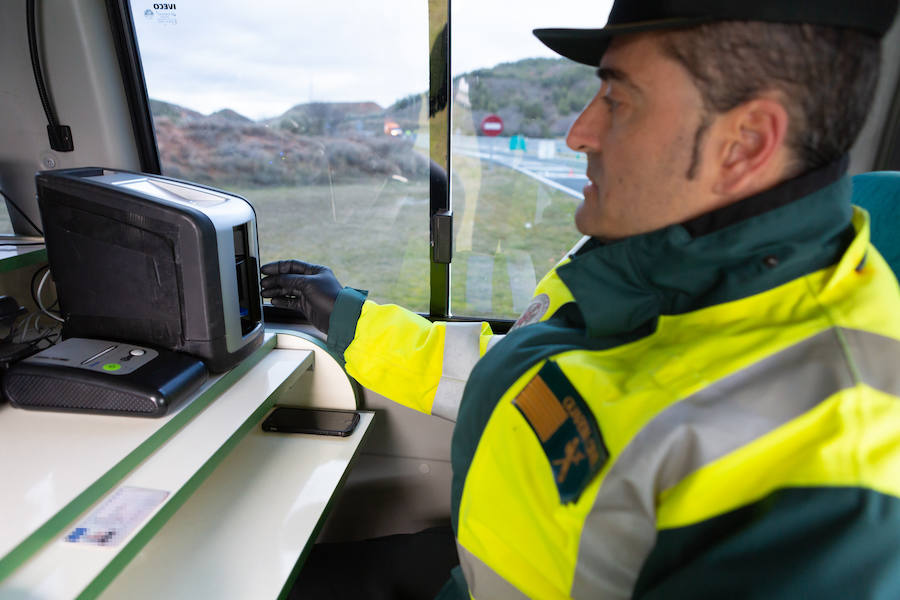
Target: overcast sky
x,y
262,57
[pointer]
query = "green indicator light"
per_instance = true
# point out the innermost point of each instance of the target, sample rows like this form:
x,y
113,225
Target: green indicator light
x,y
112,367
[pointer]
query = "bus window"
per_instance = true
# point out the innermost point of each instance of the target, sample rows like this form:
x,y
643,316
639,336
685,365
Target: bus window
x,y
312,111
317,114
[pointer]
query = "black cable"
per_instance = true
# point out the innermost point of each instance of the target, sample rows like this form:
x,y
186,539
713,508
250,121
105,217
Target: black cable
x,y
60,135
36,65
21,212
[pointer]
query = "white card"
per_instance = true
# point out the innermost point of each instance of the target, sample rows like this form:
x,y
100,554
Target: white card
x,y
117,516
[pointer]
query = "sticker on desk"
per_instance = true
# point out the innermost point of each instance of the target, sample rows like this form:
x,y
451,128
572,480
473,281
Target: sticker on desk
x,y
117,516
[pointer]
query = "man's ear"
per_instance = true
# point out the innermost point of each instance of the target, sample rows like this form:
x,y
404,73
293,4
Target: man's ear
x,y
753,150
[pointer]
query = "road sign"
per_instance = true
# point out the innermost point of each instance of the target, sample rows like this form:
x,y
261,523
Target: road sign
x,y
492,125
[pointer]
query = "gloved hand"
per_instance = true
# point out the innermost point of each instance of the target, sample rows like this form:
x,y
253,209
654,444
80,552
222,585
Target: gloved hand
x,y
303,287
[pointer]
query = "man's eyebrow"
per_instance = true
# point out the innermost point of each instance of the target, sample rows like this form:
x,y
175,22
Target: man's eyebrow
x,y
612,74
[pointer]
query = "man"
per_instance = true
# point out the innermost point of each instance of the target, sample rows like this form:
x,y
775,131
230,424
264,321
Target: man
x,y
704,399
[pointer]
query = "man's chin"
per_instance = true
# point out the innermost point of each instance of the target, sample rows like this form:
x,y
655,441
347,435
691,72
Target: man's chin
x,y
586,223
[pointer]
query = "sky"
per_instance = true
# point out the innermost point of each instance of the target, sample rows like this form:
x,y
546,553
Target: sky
x,y
260,58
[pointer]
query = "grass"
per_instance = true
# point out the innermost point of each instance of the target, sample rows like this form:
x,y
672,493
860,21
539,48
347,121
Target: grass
x,y
374,233
512,216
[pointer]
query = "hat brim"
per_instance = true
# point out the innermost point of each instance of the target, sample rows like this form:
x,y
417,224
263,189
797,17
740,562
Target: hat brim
x,y
587,46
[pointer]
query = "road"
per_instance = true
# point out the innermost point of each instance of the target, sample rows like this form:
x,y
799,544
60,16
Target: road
x,y
548,161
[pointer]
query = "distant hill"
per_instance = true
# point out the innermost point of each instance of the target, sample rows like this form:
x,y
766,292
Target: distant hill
x,y
158,108
538,97
226,114
535,97
329,118
309,144
320,141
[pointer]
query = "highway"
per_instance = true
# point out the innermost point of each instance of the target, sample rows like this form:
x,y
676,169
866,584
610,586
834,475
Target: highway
x,y
548,161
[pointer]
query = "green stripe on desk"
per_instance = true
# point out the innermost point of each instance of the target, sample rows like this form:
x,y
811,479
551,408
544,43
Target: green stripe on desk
x,y
56,524
157,521
12,260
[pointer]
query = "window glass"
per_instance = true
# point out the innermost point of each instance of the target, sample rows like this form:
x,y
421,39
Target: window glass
x,y
5,223
515,184
314,112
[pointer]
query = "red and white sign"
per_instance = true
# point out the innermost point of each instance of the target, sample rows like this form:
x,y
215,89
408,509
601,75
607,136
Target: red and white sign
x,y
492,125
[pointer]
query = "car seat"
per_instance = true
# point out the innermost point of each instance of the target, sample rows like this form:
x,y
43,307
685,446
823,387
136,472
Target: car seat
x,y
879,194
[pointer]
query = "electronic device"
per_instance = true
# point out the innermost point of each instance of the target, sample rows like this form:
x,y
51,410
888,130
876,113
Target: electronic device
x,y
101,376
293,419
153,260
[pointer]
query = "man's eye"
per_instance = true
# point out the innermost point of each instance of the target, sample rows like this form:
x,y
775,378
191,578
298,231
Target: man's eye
x,y
610,103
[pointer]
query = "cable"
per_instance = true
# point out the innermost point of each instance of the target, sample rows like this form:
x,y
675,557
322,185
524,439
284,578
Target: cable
x,y
41,304
21,212
60,135
34,277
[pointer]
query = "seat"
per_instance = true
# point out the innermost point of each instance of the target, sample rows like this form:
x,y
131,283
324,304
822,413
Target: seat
x,y
879,194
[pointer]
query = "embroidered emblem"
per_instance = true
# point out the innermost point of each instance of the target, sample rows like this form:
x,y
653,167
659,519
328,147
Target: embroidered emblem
x,y
573,456
534,312
566,429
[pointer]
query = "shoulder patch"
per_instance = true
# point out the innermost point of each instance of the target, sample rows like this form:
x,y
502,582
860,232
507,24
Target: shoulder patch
x,y
566,428
534,312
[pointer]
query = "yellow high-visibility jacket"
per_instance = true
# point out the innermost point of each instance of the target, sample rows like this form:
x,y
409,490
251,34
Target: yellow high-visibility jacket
x,y
706,410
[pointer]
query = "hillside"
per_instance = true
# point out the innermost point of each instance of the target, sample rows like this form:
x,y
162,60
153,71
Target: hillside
x,y
537,97
323,142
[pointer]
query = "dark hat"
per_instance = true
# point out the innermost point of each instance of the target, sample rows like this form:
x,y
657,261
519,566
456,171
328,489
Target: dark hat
x,y
632,16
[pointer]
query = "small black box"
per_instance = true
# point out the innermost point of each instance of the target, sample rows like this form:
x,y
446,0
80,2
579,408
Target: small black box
x,y
99,376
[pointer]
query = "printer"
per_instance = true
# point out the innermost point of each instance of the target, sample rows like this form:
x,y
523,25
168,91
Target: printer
x,y
151,260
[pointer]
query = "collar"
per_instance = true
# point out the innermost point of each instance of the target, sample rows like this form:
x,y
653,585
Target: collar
x,y
781,194
756,244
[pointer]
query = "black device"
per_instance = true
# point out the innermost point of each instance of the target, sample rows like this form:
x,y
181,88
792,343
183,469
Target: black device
x,y
101,376
292,419
152,260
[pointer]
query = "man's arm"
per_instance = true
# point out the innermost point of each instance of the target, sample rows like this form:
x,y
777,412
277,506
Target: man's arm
x,y
388,349
403,356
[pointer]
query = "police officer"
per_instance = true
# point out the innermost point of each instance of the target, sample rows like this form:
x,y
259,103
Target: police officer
x,y
702,399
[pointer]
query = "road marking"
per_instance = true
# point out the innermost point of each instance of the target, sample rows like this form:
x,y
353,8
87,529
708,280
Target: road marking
x,y
521,279
479,282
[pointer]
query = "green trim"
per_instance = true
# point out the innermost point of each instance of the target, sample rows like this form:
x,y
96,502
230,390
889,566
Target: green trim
x,y
66,515
342,326
815,542
879,194
307,548
668,272
128,552
354,385
12,262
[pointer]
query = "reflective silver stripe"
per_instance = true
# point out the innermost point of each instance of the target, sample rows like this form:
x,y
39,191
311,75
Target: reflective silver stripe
x,y
483,582
620,530
872,359
461,352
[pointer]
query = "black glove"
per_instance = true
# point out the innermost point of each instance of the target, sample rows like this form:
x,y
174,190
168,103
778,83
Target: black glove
x,y
307,289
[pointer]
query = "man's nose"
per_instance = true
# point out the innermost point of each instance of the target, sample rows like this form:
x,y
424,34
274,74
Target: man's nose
x,y
585,133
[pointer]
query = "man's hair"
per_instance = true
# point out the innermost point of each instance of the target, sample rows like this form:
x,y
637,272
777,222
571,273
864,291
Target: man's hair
x,y
825,77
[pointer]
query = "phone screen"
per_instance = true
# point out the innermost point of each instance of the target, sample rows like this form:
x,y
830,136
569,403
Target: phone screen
x,y
289,419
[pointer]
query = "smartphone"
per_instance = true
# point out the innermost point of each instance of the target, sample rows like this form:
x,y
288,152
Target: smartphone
x,y
292,419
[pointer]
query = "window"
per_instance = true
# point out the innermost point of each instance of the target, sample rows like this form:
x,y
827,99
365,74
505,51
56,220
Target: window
x,y
317,113
517,184
313,112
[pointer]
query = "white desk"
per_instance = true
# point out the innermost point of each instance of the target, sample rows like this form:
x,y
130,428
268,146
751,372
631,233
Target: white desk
x,y
58,467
